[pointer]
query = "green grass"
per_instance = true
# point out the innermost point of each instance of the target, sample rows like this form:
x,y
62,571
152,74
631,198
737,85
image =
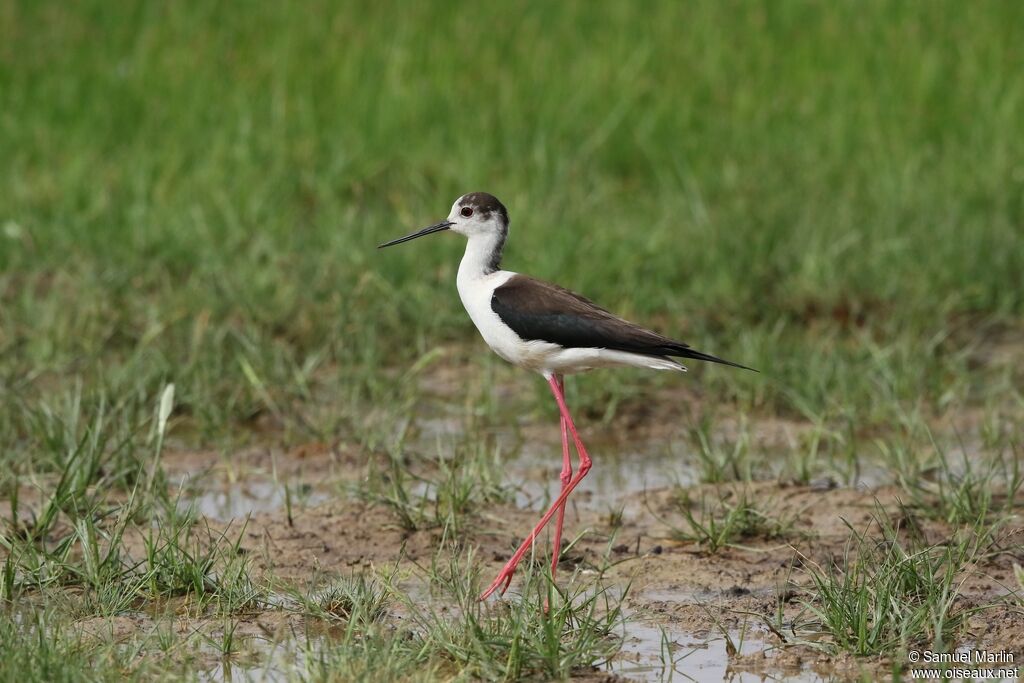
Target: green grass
x,y
543,633
191,195
830,194
887,597
965,489
722,523
438,488
41,651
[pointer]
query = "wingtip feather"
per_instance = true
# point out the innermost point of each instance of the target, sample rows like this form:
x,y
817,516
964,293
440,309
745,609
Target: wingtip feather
x,y
699,355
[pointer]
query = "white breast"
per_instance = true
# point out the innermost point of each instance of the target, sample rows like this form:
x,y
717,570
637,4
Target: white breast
x,y
476,293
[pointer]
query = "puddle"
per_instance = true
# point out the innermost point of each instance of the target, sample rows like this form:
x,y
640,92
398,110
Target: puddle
x,y
277,660
232,500
624,468
653,653
613,482
649,653
611,485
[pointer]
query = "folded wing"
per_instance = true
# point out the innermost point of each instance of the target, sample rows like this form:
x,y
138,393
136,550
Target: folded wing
x,y
538,310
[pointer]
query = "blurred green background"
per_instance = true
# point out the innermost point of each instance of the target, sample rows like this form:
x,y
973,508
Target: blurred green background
x,y
193,191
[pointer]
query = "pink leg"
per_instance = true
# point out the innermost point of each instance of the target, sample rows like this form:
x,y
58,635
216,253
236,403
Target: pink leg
x,y
565,477
505,576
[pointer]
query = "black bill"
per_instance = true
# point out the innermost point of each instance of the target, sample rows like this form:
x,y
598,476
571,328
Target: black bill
x,y
436,227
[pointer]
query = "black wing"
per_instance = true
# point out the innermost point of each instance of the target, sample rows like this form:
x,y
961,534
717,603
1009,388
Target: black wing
x,y
538,310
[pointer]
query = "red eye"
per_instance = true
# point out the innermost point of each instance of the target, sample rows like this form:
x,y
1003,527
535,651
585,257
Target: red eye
x,y
467,212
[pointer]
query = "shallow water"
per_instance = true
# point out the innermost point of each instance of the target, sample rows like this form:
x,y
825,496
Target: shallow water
x,y
612,483
224,501
653,653
649,653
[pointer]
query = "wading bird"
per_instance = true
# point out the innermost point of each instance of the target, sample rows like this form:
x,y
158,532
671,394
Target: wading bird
x,y
547,329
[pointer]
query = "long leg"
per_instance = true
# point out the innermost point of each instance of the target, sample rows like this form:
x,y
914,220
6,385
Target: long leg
x,y
565,477
505,576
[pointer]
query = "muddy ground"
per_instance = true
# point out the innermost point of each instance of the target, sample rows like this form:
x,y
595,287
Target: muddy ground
x,y
739,612
719,610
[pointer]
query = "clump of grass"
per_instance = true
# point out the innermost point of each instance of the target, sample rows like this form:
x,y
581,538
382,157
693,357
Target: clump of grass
x,y
361,599
393,488
959,491
83,459
540,632
79,538
447,491
471,479
225,641
720,463
38,645
975,491
373,654
206,565
882,597
720,523
817,451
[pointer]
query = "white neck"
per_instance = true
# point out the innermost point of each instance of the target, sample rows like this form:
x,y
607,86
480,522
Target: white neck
x,y
483,253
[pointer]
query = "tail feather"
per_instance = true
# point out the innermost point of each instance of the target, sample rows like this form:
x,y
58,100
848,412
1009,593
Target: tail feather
x,y
687,352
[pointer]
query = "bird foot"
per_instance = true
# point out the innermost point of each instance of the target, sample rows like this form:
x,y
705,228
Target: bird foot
x,y
503,580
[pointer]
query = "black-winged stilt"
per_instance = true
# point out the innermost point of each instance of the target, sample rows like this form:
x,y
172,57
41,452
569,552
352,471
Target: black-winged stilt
x,y
545,328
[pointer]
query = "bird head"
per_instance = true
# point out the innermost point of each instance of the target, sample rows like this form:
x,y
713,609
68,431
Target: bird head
x,y
473,214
